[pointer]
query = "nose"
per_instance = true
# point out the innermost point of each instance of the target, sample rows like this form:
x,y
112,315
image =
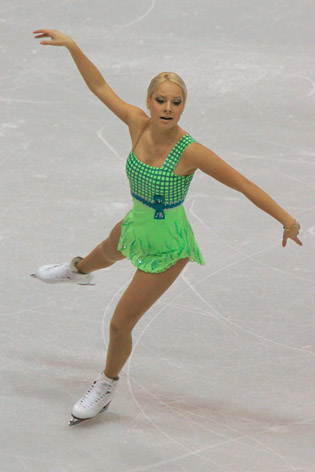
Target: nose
x,y
168,106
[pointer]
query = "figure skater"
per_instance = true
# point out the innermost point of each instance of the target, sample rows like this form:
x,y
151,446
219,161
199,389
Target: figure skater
x,y
155,234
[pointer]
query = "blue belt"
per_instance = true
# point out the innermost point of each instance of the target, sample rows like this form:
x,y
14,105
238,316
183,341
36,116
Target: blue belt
x,y
158,205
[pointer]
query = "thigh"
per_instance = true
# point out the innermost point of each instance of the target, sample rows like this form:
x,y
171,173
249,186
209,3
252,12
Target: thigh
x,y
109,246
143,291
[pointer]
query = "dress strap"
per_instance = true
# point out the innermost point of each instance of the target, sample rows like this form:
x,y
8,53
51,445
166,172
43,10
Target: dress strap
x,y
177,151
141,133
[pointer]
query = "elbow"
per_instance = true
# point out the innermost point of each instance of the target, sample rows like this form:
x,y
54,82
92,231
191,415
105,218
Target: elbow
x,y
245,186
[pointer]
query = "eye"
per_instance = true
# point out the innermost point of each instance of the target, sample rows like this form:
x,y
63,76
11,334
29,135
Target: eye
x,y
177,103
160,100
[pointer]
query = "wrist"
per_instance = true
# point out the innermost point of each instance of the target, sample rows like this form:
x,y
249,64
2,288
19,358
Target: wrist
x,y
288,221
71,45
291,226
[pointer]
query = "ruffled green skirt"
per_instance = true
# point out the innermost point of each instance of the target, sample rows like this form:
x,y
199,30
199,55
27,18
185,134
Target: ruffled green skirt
x,y
154,245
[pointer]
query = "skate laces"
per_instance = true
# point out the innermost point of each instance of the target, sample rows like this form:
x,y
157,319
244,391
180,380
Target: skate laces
x,y
99,390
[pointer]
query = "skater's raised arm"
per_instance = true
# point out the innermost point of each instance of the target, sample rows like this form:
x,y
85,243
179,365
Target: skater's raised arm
x,y
200,157
92,76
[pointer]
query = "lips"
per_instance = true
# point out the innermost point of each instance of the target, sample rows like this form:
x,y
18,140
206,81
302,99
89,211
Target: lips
x,y
166,118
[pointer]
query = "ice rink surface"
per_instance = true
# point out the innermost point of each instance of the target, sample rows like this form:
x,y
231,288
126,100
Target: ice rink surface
x,y
222,377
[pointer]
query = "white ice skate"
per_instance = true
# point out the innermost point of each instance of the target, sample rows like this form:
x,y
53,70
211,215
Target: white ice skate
x,y
95,401
63,273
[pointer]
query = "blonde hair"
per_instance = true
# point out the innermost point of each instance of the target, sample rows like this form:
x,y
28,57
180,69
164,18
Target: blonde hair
x,y
167,76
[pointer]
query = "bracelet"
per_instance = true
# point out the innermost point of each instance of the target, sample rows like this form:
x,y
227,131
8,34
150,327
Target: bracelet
x,y
294,224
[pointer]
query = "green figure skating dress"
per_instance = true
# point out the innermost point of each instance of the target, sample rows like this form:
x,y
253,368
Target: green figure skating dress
x,y
156,233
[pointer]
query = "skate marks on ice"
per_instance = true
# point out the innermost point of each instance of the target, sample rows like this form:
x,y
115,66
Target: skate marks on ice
x,y
120,28
226,432
163,448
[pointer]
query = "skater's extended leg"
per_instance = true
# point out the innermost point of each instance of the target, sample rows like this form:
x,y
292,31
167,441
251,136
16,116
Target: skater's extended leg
x,y
79,270
104,255
144,290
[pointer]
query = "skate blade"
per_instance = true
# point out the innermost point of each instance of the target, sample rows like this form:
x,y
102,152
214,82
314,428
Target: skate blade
x,y
75,421
36,277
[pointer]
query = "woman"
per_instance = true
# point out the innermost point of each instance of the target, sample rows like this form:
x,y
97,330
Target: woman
x,y
155,234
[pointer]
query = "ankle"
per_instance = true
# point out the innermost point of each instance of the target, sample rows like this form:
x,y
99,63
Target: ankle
x,y
109,377
78,266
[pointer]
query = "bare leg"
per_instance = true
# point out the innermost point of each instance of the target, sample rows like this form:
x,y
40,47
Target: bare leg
x,y
144,290
105,254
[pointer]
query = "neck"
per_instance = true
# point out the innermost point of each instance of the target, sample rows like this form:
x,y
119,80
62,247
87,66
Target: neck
x,y
165,135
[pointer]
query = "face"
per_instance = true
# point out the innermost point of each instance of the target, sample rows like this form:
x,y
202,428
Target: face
x,y
166,104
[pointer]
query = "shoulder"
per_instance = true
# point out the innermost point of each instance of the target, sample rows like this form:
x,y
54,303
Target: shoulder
x,y
200,157
189,158
196,152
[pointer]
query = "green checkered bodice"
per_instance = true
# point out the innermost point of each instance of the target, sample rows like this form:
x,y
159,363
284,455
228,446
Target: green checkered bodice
x,y
159,187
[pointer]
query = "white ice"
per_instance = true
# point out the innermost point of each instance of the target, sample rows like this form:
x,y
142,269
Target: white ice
x,y
222,377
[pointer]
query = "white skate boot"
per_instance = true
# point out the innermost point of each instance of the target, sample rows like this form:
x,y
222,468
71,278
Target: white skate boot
x,y
63,273
95,401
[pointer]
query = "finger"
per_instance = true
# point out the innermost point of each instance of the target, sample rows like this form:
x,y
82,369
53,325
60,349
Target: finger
x,y
47,43
298,241
42,36
45,30
284,241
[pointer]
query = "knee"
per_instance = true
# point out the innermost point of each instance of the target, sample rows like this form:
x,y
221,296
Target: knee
x,y
110,251
120,326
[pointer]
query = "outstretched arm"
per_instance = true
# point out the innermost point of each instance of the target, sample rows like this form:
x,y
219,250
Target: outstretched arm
x,y
200,157
92,76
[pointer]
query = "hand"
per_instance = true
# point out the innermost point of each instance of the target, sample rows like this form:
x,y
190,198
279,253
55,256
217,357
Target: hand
x,y
291,233
57,38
